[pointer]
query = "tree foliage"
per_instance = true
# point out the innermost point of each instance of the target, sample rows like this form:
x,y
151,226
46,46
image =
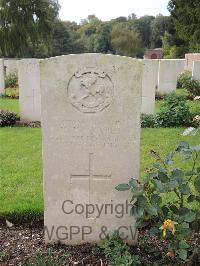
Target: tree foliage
x,y
159,26
186,18
31,28
124,41
25,22
143,27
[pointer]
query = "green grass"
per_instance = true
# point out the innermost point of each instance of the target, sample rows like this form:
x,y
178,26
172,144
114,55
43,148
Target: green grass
x,y
21,171
9,104
21,164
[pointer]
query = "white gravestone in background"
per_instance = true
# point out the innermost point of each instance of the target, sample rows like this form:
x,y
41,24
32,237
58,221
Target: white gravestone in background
x,y
169,70
29,90
2,81
196,70
11,66
149,85
91,141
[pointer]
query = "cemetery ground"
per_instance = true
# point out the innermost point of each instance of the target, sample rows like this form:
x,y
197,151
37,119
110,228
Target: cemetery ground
x,y
22,201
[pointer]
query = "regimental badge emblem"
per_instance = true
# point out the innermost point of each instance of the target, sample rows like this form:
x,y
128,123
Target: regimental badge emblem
x,y
90,91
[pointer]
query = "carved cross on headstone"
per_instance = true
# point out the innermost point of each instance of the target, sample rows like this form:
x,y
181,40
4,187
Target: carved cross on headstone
x,y
91,175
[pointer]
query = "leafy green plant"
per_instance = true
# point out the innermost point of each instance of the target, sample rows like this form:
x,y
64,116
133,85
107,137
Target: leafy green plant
x,y
7,118
173,220
12,93
148,120
11,80
193,88
174,112
117,251
45,259
183,79
4,254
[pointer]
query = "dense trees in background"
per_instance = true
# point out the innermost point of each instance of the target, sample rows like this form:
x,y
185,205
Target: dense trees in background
x,y
159,26
124,41
185,35
25,24
32,28
186,19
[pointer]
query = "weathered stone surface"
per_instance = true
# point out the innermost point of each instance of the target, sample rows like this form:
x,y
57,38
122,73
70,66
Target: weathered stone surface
x,y
91,139
196,70
149,85
11,66
2,80
29,90
169,70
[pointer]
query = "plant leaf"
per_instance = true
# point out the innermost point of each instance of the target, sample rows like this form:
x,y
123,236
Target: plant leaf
x,y
182,254
182,144
133,183
197,183
183,244
185,190
190,217
163,177
122,187
191,198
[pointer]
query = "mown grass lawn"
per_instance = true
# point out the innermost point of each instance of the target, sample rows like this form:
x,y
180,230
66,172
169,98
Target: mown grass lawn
x,y
21,170
21,164
9,104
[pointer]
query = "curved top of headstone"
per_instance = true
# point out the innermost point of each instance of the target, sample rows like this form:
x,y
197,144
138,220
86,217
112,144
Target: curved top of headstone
x,y
91,55
88,78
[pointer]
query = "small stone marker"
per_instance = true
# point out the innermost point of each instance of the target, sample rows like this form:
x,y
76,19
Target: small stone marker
x,y
29,90
169,70
196,70
149,85
91,141
2,80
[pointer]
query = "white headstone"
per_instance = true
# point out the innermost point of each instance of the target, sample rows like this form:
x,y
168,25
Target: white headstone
x,y
11,66
149,85
91,142
196,70
29,90
2,80
169,70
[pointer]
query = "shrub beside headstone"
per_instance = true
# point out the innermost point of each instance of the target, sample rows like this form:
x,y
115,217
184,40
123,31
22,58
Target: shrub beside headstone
x,y
7,118
174,112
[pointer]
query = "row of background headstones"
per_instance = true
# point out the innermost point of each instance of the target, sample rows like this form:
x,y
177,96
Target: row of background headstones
x,y
159,75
